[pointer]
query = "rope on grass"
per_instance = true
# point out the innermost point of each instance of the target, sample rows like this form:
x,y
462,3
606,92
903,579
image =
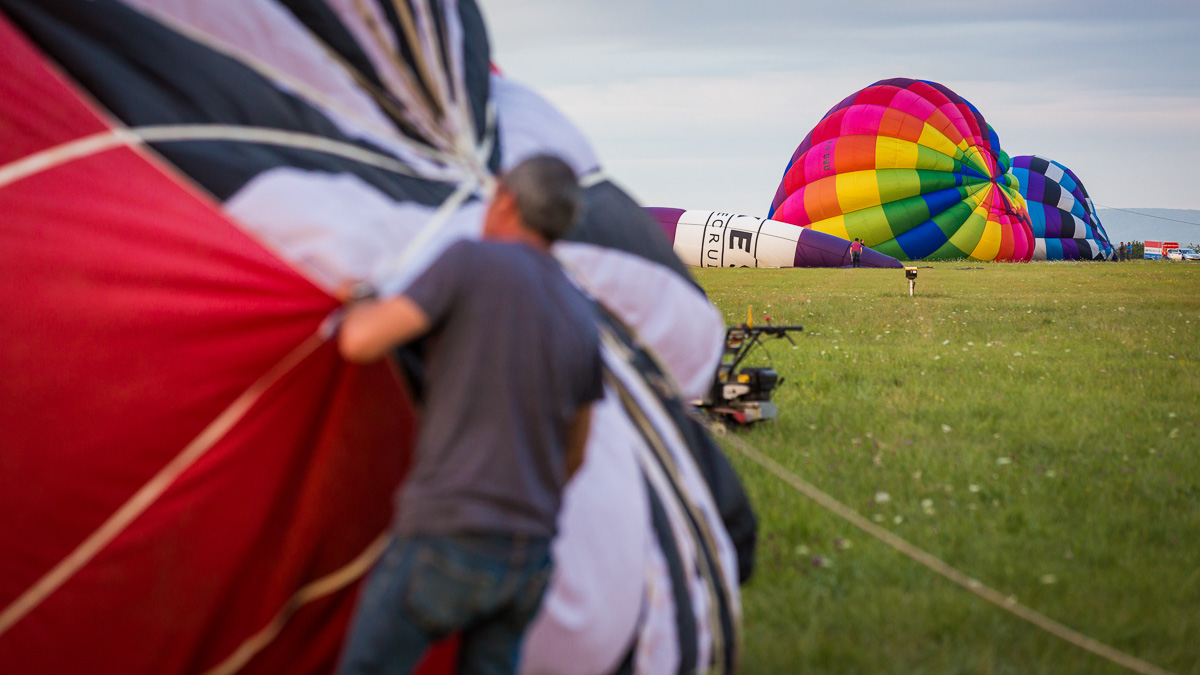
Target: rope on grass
x,y
1007,603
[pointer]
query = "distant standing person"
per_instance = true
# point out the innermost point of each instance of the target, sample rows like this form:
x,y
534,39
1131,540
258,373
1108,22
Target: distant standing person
x,y
856,252
513,368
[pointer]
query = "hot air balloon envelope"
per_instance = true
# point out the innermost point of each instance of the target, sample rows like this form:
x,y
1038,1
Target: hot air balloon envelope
x,y
912,169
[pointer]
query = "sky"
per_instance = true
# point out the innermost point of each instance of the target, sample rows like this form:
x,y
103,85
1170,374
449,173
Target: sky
x,y
698,104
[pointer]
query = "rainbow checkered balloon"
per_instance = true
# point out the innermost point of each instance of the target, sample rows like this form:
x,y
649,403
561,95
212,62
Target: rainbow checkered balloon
x,y
912,169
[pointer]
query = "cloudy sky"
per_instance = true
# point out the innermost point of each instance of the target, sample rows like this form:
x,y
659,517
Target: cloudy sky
x,y
700,103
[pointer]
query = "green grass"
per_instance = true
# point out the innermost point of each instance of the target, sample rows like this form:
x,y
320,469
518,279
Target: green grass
x,y
1047,411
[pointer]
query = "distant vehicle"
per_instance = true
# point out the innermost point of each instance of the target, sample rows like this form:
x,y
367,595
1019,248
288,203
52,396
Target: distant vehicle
x,y
1182,254
1157,250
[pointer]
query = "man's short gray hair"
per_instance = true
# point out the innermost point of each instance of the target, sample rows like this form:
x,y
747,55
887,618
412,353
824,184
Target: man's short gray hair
x,y
547,194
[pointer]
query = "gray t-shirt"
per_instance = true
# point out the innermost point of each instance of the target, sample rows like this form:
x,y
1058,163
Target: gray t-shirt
x,y
512,354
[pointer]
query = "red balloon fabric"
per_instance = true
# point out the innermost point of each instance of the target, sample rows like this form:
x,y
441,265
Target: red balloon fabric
x,y
183,449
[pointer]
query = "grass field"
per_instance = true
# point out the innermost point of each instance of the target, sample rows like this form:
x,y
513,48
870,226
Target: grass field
x,y
1033,425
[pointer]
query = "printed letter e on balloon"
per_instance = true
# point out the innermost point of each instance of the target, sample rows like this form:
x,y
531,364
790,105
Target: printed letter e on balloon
x,y
741,239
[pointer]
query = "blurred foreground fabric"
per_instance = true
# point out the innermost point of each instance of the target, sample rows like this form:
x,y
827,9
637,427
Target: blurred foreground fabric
x,y
191,480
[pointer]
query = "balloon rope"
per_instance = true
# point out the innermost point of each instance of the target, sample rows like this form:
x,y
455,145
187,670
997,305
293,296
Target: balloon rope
x,y
408,90
47,159
141,500
118,138
453,38
1007,603
423,56
470,186
315,590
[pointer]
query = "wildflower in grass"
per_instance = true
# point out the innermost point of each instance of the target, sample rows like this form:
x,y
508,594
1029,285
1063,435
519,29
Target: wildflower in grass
x,y
927,507
1171,415
1017,354
843,544
973,487
946,428
898,519
1003,460
818,561
1048,579
878,517
945,342
970,344
937,358
882,498
1051,473
1174,433
802,550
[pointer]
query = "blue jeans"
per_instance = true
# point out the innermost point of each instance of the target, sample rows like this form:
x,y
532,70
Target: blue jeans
x,y
488,587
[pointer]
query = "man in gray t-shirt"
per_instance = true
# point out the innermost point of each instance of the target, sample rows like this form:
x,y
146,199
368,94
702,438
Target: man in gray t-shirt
x,y
512,367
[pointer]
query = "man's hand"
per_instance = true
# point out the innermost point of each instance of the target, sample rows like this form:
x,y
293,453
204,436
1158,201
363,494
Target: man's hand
x,y
373,327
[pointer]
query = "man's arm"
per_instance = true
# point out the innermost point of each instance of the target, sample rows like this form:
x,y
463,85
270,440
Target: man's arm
x,y
373,327
577,435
